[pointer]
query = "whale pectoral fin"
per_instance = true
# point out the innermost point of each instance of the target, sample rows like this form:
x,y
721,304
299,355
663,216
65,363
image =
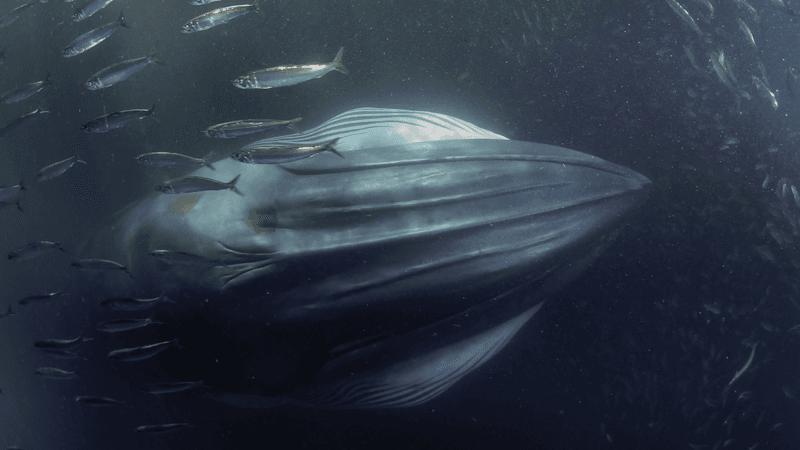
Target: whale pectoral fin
x,y
409,369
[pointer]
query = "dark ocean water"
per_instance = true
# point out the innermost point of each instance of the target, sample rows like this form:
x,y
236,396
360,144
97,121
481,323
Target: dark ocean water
x,y
638,352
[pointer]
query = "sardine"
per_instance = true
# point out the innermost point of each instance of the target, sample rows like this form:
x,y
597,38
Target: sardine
x,y
33,250
117,119
120,71
99,401
202,2
745,367
118,325
17,95
91,38
750,9
21,122
89,9
783,7
218,17
170,387
166,159
748,34
288,75
246,127
63,354
9,18
34,298
283,154
766,91
61,344
8,193
134,304
55,373
57,168
685,16
99,264
162,428
196,184
140,353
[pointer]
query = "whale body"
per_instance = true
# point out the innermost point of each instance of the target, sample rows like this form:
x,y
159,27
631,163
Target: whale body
x,y
377,280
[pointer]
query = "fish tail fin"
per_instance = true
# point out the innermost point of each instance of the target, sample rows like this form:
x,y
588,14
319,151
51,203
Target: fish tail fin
x,y
59,246
18,206
232,185
9,312
152,110
47,80
152,55
333,150
22,186
256,7
78,159
121,20
338,64
208,157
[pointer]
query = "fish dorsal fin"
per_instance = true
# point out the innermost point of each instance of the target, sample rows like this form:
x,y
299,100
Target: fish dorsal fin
x,y
415,377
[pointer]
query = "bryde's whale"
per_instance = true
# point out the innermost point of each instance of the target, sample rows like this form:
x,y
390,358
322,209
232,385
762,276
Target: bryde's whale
x,y
375,280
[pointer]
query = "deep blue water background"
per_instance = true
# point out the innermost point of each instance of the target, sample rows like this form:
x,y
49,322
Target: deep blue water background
x,y
628,356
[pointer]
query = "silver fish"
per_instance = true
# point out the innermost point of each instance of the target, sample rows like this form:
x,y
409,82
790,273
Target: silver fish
x,y
63,354
161,428
61,344
766,91
120,71
282,154
115,326
166,159
246,127
202,2
140,353
748,34
99,401
750,9
218,17
170,387
8,312
17,95
783,7
21,121
288,75
134,304
33,250
99,264
55,373
685,16
117,119
32,298
8,193
9,18
91,38
89,9
57,168
196,184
